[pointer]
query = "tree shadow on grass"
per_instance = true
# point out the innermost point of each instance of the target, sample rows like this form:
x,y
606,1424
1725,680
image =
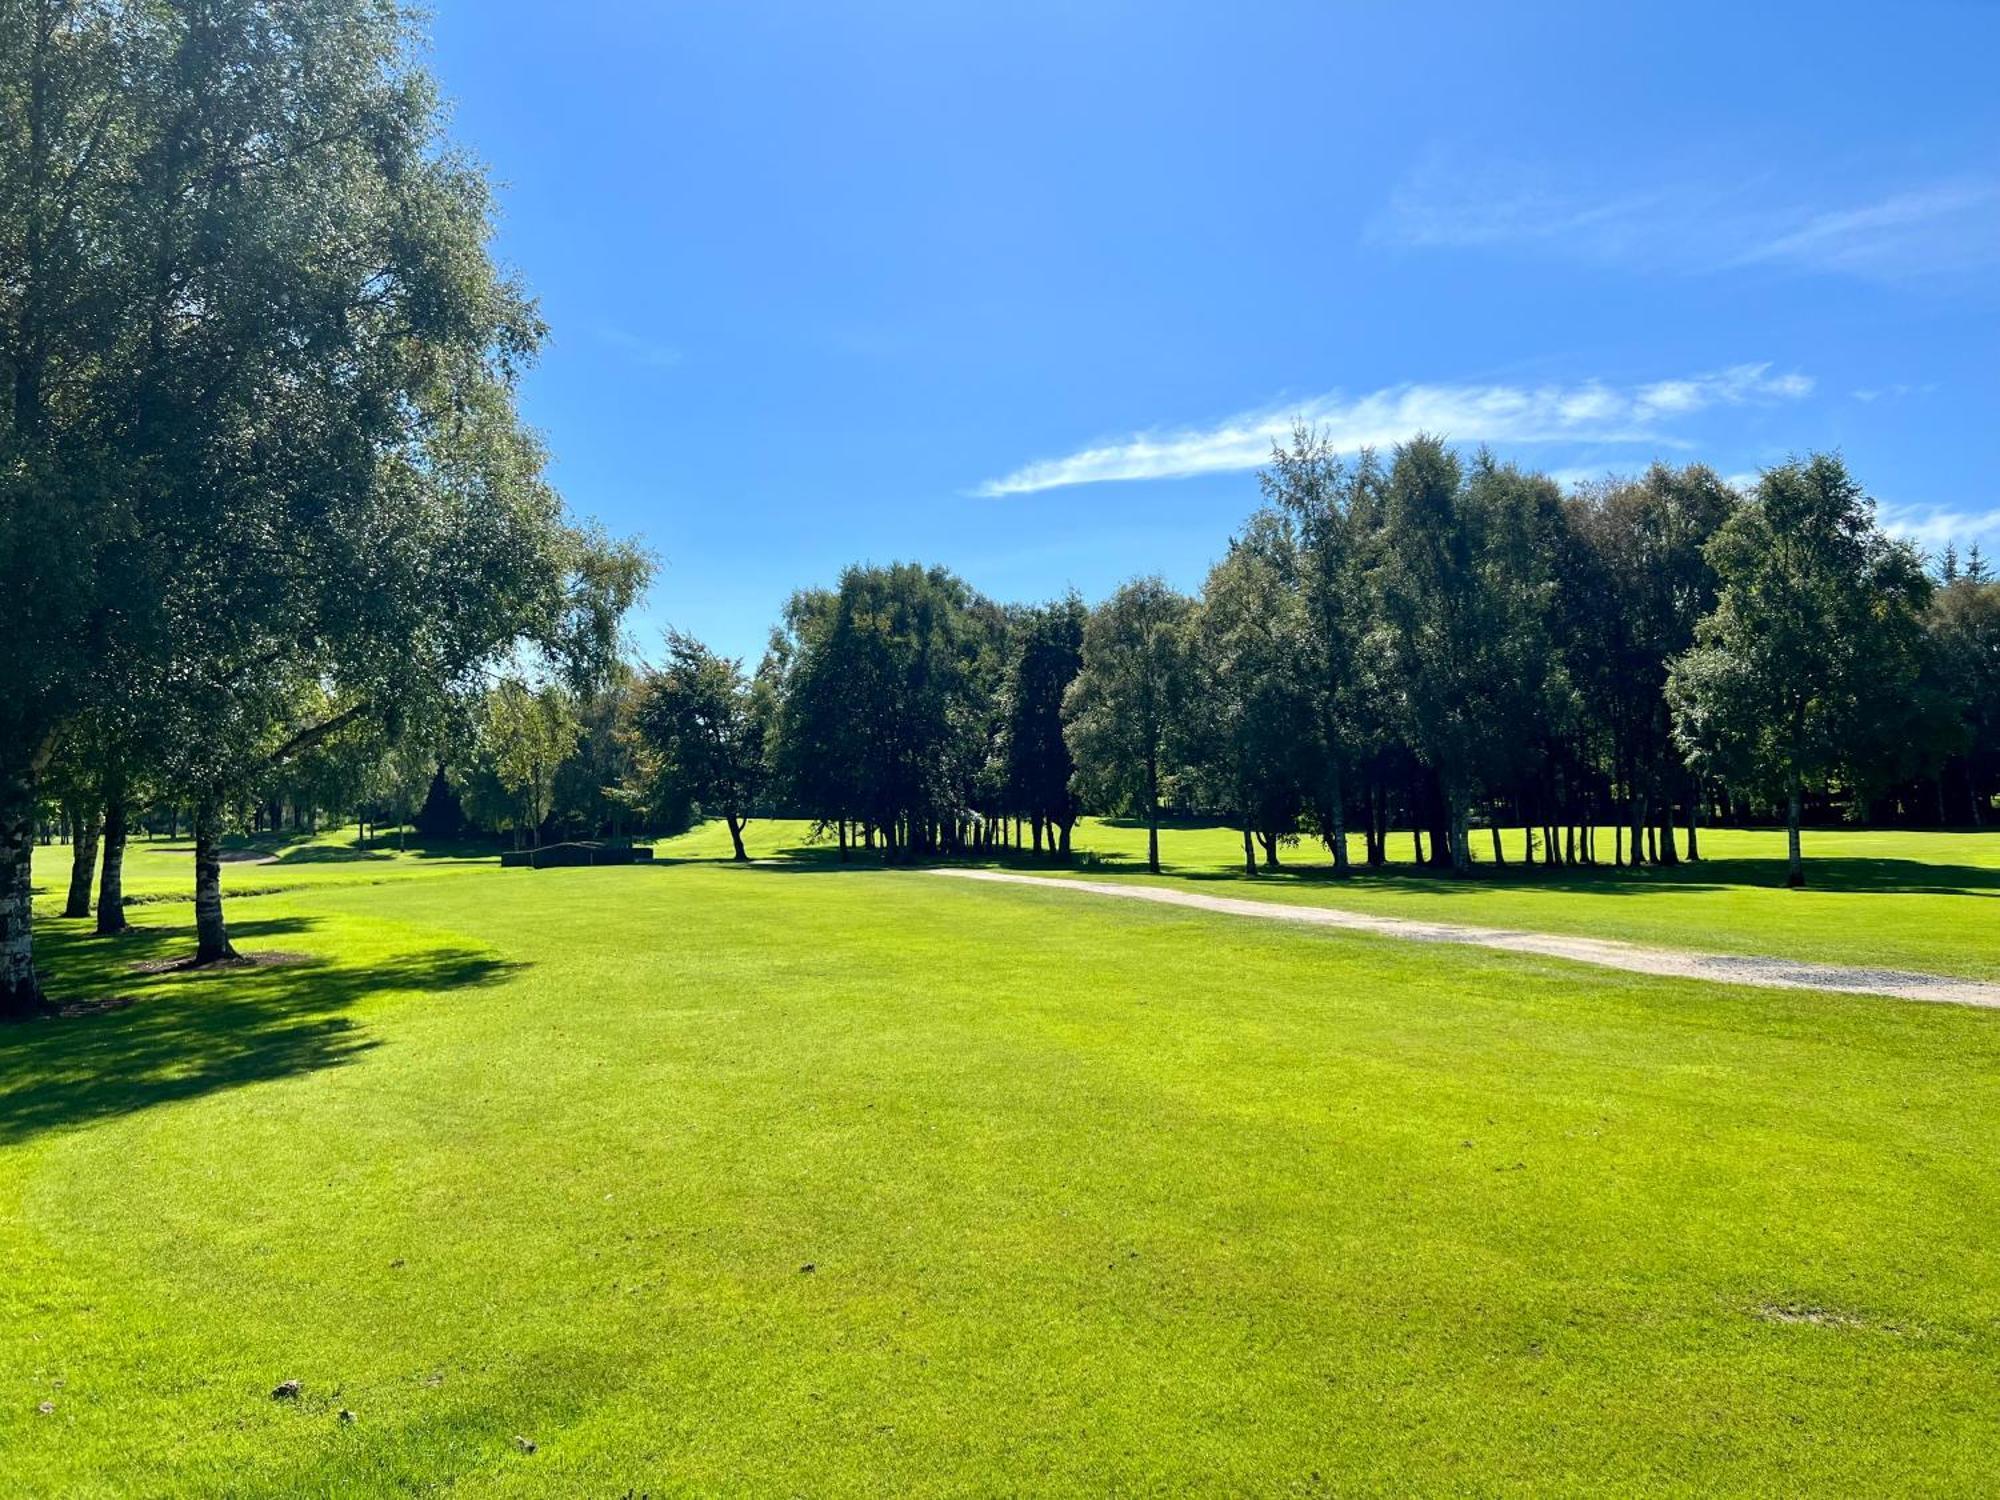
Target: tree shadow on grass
x,y
1825,873
190,1032
802,853
1836,873
1309,863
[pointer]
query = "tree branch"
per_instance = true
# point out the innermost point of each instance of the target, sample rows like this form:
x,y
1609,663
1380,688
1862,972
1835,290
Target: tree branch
x,y
306,739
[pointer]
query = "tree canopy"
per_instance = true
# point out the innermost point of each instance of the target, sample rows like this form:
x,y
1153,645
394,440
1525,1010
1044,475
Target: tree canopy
x,y
706,722
264,478
1806,668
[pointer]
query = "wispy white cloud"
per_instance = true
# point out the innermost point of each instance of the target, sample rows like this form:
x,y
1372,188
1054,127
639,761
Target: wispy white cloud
x,y
1948,226
1590,412
1932,526
648,352
1693,224
1895,392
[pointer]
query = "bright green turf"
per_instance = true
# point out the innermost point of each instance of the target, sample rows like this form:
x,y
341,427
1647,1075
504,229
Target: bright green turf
x,y
1900,899
1099,1199
163,869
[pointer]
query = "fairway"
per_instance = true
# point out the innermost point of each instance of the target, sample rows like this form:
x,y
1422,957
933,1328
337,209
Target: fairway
x,y
890,770
1906,899
780,1178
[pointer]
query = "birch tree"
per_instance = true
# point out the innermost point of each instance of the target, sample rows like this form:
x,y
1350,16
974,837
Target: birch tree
x,y
1806,668
1123,714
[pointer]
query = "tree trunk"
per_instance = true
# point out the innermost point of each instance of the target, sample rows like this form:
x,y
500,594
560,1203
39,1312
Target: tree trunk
x,y
1668,854
1336,797
1694,821
1795,873
1249,853
1441,813
82,861
20,993
1270,843
1461,848
1152,813
1062,834
1499,855
111,883
736,834
211,932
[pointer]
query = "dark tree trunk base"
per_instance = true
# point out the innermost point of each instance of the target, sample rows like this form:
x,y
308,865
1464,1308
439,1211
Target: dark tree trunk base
x,y
24,1002
211,930
82,865
111,882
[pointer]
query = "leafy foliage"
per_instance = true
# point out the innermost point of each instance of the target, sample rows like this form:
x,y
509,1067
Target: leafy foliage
x,y
1805,669
706,722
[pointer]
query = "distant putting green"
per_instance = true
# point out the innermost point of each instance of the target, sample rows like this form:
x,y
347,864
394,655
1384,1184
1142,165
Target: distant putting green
x,y
695,1179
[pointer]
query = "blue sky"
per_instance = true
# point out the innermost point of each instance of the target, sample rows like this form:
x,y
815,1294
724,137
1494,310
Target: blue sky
x,y
1024,289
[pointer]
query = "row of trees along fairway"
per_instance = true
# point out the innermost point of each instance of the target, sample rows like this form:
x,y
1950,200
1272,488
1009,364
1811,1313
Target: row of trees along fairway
x,y
264,483
1432,643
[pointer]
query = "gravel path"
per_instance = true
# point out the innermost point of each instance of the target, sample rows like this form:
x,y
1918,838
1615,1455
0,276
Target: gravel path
x,y
1677,963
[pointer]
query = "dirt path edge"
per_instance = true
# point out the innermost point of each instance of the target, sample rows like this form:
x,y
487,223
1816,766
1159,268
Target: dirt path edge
x,y
1607,953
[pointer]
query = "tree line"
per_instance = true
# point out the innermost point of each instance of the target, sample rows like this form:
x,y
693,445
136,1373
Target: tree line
x,y
263,489
1441,645
1428,646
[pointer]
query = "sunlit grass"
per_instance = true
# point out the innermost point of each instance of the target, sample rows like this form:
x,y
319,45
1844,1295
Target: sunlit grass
x,y
1094,1199
1915,900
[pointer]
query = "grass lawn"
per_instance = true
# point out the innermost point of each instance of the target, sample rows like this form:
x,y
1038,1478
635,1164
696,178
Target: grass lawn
x,y
781,1180
1892,898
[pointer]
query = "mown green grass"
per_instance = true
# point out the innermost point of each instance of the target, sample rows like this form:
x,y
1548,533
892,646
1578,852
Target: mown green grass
x,y
1095,1198
162,869
1913,900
